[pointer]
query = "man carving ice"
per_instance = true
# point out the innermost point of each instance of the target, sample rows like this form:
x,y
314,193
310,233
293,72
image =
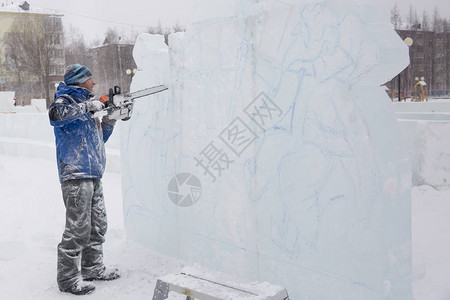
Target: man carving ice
x,y
81,162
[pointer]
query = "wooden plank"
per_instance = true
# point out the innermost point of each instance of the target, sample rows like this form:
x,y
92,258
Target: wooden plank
x,y
257,288
200,284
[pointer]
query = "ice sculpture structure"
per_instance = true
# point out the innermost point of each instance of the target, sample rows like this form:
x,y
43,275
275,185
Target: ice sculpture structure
x,y
275,155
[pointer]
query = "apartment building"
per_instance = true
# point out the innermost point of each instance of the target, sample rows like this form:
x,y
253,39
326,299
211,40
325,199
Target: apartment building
x,y
15,73
429,62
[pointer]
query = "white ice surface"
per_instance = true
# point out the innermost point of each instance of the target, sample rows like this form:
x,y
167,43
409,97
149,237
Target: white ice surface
x,y
7,102
32,223
276,108
29,134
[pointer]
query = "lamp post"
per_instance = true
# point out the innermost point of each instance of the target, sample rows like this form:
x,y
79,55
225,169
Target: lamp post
x,y
130,74
129,71
408,41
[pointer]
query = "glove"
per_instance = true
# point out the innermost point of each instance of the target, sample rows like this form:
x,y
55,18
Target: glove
x,y
107,120
94,106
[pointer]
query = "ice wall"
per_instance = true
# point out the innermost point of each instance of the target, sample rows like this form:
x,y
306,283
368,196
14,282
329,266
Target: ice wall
x,y
6,102
275,155
429,150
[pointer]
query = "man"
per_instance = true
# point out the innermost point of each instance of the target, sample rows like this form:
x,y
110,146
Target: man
x,y
81,161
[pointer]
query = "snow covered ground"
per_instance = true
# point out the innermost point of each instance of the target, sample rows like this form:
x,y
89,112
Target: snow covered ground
x,y
32,221
31,225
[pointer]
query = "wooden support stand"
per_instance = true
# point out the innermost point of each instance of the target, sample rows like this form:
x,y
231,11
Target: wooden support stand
x,y
207,285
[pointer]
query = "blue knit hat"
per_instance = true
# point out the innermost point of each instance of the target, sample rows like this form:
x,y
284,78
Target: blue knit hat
x,y
76,74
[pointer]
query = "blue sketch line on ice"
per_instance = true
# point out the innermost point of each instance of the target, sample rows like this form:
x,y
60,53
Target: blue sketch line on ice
x,y
303,68
241,63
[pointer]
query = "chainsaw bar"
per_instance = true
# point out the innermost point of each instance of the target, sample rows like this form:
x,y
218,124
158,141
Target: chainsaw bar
x,y
147,91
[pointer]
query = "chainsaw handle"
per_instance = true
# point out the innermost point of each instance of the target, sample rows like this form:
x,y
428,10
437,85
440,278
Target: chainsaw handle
x,y
104,99
107,100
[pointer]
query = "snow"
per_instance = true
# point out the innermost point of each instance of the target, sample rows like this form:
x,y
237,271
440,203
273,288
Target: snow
x,y
32,222
340,228
431,243
14,8
32,217
425,125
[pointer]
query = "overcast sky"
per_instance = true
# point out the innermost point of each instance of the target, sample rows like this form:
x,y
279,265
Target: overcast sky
x,y
93,17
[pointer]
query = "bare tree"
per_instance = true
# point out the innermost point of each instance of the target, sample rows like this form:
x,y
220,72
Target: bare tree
x,y
34,47
165,31
112,36
129,38
178,28
446,25
413,20
13,65
436,20
396,20
426,26
76,50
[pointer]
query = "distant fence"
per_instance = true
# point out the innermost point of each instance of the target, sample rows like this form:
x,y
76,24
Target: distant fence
x,y
439,93
411,94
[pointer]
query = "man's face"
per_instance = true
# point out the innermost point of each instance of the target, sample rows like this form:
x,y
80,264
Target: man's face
x,y
88,84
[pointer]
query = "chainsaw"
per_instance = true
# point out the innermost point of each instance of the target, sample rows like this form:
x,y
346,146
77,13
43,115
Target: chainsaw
x,y
119,106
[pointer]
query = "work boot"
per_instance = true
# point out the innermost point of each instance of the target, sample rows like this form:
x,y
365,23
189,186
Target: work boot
x,y
106,274
80,287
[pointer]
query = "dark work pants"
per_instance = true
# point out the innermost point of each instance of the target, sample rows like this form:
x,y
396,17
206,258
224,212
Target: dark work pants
x,y
86,225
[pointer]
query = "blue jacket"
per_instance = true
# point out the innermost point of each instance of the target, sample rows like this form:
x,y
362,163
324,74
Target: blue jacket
x,y
80,138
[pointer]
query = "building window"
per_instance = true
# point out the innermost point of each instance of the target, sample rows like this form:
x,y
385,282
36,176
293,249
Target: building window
x,y
58,24
60,70
56,70
53,24
418,48
55,39
57,53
